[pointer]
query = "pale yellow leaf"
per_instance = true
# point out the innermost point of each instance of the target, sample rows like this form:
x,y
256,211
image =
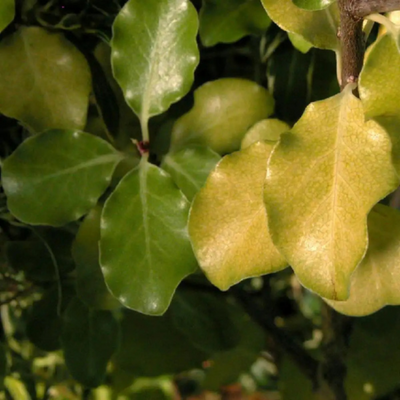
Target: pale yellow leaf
x,y
376,281
228,223
322,180
223,111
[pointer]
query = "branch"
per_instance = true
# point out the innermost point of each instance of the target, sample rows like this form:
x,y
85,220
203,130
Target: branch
x,y
361,8
351,36
336,329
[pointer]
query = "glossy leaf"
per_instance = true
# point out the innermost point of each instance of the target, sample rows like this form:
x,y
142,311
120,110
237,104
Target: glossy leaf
x,y
145,250
44,322
90,285
312,5
268,130
226,21
374,282
7,13
61,172
223,111
228,223
153,346
89,338
322,180
373,358
35,258
43,93
317,27
154,53
380,95
204,319
190,167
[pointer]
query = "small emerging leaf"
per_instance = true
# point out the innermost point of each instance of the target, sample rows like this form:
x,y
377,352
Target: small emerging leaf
x,y
154,53
7,13
62,173
299,42
266,130
322,180
374,283
223,111
190,167
317,27
228,222
42,93
226,21
144,246
89,338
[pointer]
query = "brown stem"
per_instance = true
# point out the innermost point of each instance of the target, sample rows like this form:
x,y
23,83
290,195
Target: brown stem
x,y
336,329
352,43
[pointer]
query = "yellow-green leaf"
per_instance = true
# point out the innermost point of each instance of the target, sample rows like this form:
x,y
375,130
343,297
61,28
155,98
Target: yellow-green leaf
x,y
222,113
228,223
317,27
322,180
375,283
380,95
265,130
7,13
45,81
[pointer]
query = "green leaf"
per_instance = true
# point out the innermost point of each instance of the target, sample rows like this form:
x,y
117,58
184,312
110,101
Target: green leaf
x,y
226,21
153,346
318,27
322,180
373,358
7,13
154,53
374,283
312,5
268,130
190,167
61,172
145,250
90,285
380,98
223,112
299,42
228,223
227,366
43,93
44,322
204,320
89,338
34,258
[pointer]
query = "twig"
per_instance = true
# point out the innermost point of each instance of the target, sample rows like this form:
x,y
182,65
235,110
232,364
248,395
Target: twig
x,y
306,363
352,39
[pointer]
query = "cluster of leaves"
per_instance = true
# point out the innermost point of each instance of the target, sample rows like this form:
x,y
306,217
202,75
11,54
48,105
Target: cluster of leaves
x,y
119,186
